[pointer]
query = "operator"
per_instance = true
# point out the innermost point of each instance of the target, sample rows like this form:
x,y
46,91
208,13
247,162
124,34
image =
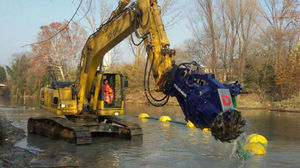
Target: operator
x,y
108,93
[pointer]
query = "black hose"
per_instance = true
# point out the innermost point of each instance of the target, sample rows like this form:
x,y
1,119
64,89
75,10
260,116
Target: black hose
x,y
148,84
147,89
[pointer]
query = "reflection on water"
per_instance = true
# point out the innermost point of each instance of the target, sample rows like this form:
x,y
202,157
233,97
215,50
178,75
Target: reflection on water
x,y
19,101
165,144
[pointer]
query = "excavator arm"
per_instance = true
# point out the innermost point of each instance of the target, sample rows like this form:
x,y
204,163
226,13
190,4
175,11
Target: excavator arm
x,y
143,16
205,102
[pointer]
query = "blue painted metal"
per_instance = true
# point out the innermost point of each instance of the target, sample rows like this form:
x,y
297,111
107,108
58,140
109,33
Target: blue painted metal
x,y
198,96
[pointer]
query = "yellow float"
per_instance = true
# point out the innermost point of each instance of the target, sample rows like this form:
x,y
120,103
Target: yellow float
x,y
190,124
143,115
255,148
164,118
256,138
255,145
206,130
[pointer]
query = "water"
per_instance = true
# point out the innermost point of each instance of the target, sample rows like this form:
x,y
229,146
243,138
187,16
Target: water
x,y
165,144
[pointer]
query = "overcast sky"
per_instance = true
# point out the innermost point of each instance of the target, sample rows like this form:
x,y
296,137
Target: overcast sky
x,y
21,20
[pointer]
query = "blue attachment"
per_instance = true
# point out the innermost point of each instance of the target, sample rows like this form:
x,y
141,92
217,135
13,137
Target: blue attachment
x,y
198,96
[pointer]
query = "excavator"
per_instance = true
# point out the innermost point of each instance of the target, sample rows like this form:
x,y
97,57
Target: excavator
x,y
205,101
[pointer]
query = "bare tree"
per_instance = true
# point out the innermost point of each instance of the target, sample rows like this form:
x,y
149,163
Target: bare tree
x,y
225,30
279,36
206,14
171,12
96,13
249,40
231,27
247,15
282,27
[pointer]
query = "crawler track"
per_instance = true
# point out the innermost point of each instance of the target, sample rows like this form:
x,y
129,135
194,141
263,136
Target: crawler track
x,y
79,129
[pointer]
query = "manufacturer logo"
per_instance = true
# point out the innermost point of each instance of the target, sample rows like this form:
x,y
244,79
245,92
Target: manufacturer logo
x,y
226,100
113,33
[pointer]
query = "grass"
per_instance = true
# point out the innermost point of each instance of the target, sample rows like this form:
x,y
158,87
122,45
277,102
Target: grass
x,y
251,101
291,103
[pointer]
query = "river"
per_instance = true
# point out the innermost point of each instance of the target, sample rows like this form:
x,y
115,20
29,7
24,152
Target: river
x,y
164,144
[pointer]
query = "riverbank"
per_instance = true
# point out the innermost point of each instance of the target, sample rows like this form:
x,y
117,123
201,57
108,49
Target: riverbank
x,y
10,155
137,96
252,101
245,101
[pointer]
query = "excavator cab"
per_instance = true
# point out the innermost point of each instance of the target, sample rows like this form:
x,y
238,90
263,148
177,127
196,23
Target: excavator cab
x,y
109,93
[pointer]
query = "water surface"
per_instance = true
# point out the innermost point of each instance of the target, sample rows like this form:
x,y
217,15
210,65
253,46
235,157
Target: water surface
x,y
164,144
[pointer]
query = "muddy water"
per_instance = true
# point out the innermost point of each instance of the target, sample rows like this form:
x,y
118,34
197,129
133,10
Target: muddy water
x,y
164,144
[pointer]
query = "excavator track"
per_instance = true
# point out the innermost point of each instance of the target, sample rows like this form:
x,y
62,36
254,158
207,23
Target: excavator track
x,y
80,129
135,130
59,128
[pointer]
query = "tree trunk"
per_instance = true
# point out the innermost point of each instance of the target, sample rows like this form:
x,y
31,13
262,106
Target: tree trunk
x,y
62,73
213,41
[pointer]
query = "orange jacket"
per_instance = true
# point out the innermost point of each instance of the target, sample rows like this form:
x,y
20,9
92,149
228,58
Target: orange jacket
x,y
108,94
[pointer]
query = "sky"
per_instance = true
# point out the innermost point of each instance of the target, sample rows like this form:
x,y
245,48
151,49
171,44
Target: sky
x,y
20,22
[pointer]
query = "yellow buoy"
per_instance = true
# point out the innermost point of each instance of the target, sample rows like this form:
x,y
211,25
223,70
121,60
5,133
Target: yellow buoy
x,y
190,124
256,148
164,118
256,138
143,115
206,130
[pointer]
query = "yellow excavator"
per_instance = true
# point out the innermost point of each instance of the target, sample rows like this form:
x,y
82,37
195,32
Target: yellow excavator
x,y
204,101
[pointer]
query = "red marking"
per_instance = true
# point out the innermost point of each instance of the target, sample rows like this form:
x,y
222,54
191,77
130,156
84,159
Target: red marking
x,y
226,100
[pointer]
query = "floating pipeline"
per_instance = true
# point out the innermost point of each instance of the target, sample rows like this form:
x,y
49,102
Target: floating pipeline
x,y
162,118
189,124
